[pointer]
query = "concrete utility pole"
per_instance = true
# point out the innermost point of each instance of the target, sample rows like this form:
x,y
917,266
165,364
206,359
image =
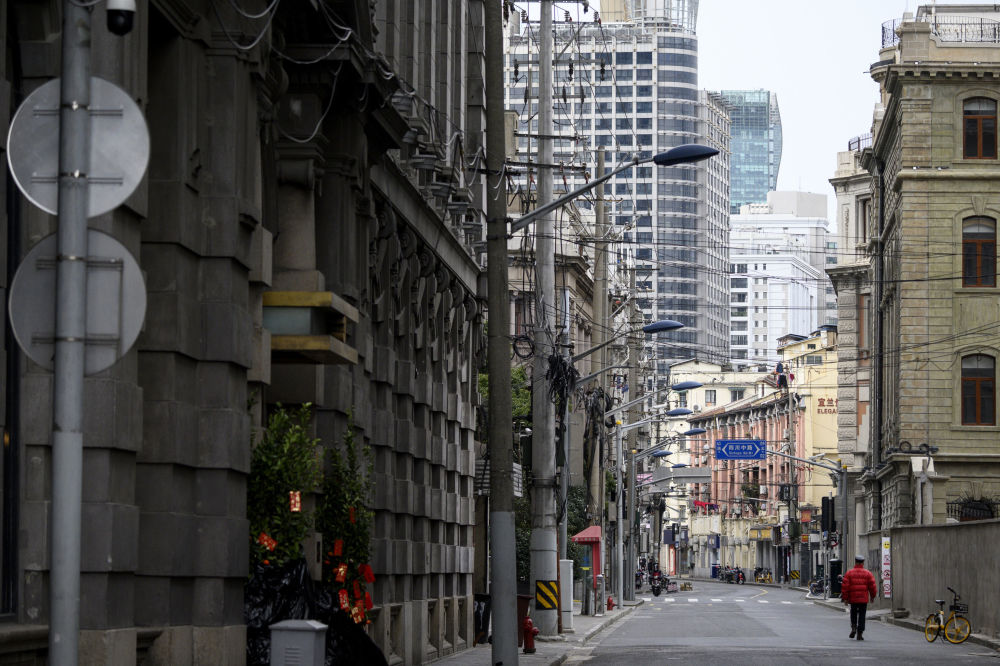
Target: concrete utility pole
x,y
634,414
601,326
543,461
71,325
793,491
503,569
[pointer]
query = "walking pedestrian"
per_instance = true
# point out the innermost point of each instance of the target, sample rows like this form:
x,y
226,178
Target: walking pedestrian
x,y
857,590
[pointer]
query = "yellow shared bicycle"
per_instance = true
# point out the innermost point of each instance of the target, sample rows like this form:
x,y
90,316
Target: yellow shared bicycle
x,y
956,628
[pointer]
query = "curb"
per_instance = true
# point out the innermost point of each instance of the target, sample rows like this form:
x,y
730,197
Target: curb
x,y
625,612
911,623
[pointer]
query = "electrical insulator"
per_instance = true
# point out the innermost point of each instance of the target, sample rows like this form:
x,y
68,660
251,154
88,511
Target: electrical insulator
x,y
597,17
524,15
602,71
515,69
569,19
571,71
586,6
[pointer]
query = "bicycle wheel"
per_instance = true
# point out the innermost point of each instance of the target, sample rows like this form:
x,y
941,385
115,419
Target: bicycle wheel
x,y
931,628
957,629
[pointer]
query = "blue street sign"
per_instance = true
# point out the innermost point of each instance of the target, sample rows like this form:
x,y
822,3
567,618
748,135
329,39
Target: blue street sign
x,y
740,449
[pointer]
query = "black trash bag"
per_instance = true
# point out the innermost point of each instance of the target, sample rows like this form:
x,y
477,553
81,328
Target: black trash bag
x,y
347,643
271,595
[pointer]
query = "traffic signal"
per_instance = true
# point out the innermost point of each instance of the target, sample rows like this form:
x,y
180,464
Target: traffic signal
x,y
827,521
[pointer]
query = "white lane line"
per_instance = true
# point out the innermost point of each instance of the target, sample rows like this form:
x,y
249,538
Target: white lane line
x,y
717,600
739,600
787,602
692,600
669,601
647,599
763,601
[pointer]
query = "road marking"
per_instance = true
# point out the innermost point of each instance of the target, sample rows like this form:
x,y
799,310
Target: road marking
x,y
763,601
692,600
762,593
647,599
740,600
717,600
669,601
786,602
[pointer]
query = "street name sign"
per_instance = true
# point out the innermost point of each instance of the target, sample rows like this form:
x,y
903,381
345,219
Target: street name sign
x,y
740,449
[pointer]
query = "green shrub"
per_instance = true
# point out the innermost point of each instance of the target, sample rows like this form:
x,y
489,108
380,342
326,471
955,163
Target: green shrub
x,y
285,460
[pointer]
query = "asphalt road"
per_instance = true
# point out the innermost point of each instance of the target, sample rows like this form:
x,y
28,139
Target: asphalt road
x,y
718,623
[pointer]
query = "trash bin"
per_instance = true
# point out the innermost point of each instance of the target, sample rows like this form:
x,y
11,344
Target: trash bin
x,y
480,618
715,570
523,600
835,571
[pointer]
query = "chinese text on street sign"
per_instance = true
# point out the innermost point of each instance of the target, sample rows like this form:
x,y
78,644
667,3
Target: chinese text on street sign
x,y
740,449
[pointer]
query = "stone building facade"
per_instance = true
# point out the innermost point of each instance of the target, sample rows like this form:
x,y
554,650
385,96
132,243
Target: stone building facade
x,y
321,160
935,301
852,280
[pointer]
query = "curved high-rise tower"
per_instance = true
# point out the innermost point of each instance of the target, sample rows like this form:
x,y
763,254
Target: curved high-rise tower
x,y
629,85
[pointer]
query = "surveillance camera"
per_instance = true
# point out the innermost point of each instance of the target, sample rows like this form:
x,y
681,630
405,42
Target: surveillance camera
x,y
121,14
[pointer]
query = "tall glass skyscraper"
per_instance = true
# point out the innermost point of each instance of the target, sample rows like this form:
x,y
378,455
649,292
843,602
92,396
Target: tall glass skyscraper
x,y
631,87
756,145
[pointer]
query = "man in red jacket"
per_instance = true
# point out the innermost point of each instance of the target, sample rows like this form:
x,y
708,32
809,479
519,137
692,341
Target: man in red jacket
x,y
858,589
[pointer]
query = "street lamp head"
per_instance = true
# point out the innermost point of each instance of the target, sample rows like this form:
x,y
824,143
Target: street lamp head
x,y
678,465
661,326
690,152
694,431
679,411
662,454
686,386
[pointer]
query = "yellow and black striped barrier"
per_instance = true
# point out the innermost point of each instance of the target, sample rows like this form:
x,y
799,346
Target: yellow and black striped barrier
x,y
794,574
547,594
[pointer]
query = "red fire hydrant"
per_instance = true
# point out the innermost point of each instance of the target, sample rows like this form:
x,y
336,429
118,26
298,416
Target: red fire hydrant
x,y
529,636
611,602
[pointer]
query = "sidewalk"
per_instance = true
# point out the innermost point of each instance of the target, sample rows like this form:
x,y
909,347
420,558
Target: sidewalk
x,y
885,615
549,652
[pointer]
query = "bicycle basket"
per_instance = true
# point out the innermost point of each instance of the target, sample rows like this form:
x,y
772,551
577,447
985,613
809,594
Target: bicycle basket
x,y
959,608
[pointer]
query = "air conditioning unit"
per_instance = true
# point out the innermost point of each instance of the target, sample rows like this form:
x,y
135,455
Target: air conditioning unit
x,y
696,408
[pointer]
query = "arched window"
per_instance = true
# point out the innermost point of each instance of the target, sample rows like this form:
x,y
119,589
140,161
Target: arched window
x,y
979,128
979,252
978,390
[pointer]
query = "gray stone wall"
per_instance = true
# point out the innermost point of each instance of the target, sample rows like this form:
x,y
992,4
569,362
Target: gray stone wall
x,y
926,560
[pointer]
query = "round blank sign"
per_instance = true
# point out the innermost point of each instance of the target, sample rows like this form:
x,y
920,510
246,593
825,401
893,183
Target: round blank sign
x,y
119,147
116,302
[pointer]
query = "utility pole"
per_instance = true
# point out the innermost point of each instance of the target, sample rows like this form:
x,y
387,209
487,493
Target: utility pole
x,y
793,491
563,442
503,569
543,462
601,325
634,416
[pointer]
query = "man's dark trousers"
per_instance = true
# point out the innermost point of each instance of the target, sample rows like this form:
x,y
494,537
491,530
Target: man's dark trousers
x,y
858,617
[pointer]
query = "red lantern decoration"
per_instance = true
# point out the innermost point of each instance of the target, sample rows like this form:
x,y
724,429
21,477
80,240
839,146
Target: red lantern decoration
x,y
338,547
344,600
295,501
341,573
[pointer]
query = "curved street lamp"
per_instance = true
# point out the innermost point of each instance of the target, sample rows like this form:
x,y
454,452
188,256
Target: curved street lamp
x,y
684,154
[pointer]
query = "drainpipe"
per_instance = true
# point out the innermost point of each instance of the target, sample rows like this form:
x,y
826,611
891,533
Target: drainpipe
x,y
877,360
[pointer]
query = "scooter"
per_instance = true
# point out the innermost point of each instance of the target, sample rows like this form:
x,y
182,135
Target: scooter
x,y
655,586
740,577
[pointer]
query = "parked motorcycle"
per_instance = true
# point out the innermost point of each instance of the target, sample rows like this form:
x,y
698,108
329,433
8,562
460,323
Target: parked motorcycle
x,y
740,576
638,580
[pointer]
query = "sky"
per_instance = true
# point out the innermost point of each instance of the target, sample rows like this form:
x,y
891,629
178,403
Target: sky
x,y
815,56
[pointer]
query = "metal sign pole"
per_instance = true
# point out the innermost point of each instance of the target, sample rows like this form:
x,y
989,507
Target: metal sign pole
x,y
71,320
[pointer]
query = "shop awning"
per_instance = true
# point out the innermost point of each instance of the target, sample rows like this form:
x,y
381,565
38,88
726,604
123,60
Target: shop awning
x,y
590,535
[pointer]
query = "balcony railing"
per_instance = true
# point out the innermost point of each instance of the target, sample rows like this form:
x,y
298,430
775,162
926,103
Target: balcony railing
x,y
973,509
860,142
949,29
